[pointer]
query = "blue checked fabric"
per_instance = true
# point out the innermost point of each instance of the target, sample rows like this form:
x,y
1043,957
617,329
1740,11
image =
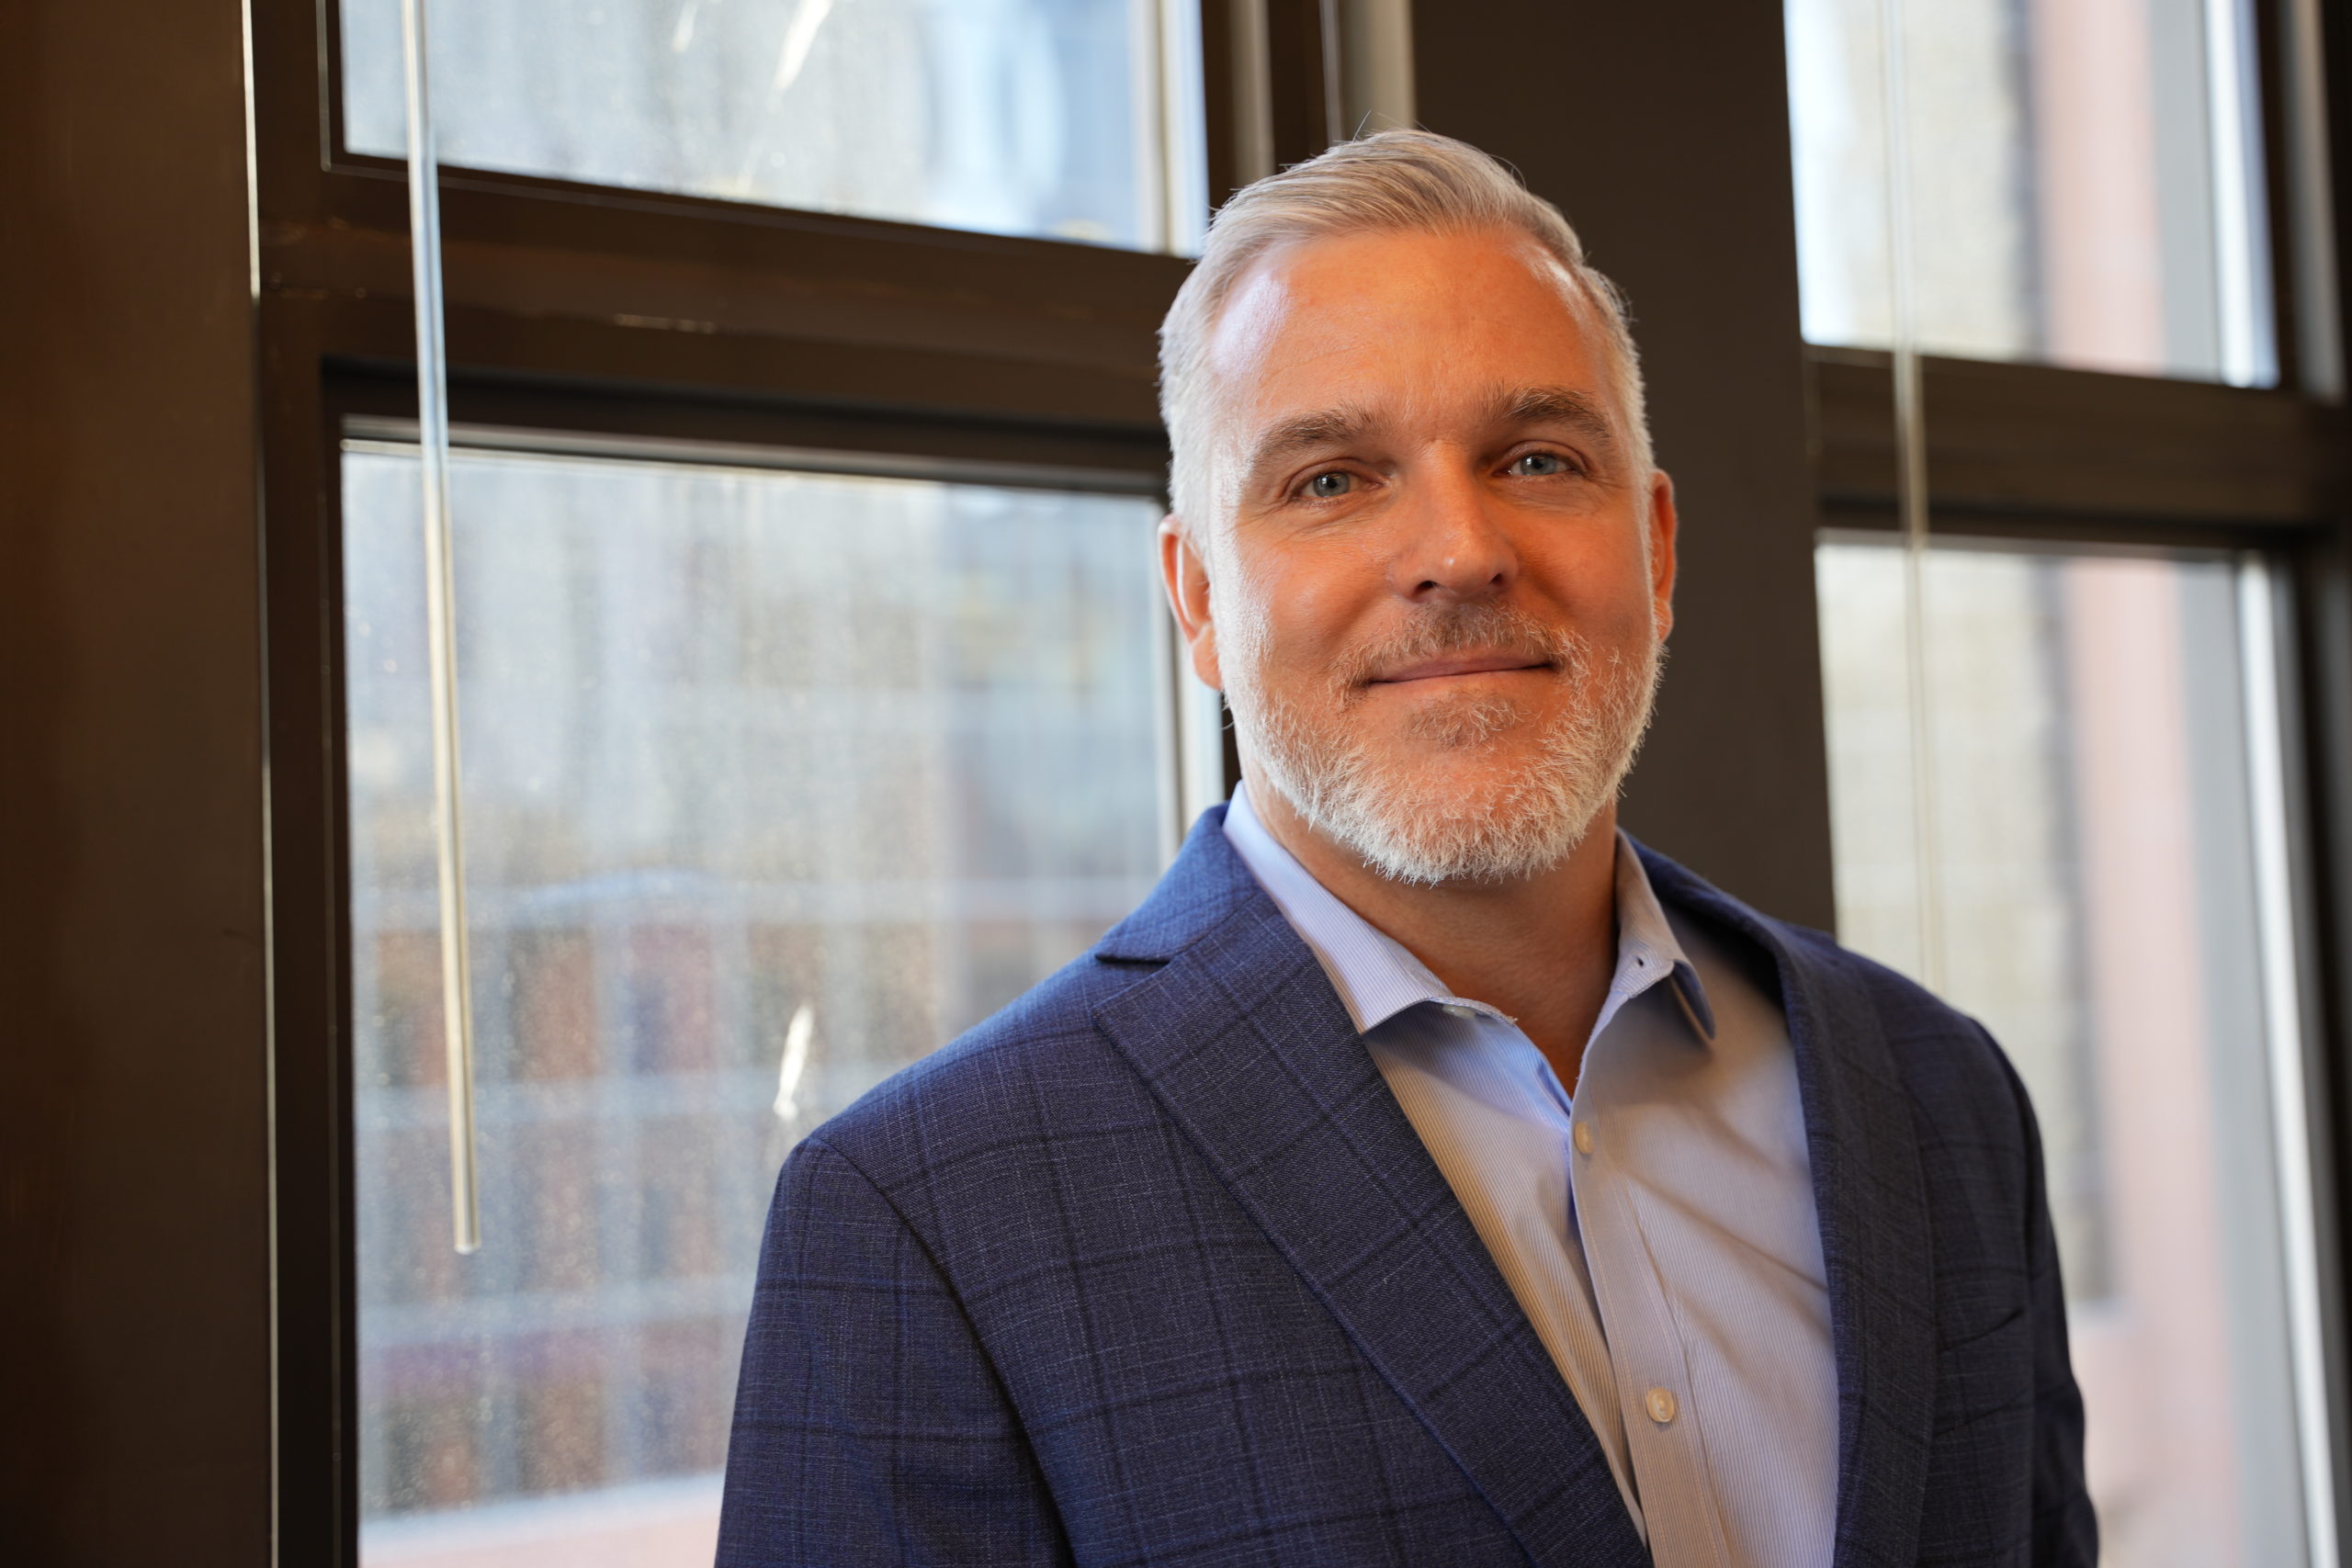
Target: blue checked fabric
x,y
1152,1269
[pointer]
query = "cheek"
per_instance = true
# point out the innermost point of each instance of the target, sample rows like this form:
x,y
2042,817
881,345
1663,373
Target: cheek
x,y
1304,603
1606,592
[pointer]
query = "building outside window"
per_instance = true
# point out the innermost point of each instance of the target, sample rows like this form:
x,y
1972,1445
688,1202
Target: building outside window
x,y
1051,118
775,782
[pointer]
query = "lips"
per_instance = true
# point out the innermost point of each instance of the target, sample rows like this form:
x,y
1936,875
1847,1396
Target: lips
x,y
1460,664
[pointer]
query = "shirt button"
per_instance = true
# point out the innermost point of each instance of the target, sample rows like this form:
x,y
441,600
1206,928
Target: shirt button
x,y
1584,1137
1661,1406
1458,1011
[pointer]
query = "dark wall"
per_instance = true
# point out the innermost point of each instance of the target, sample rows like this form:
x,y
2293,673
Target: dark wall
x,y
1684,199
134,1317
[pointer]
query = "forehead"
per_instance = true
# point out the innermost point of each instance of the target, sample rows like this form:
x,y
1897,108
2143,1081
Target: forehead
x,y
1401,323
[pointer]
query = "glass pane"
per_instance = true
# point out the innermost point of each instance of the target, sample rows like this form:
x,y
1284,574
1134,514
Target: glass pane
x,y
1070,119
2084,182
2094,902
774,781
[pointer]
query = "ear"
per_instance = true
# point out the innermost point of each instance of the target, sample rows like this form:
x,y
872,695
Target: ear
x,y
1662,525
1186,577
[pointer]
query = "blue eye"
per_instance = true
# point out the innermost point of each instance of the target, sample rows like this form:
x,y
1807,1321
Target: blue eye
x,y
1539,464
1330,486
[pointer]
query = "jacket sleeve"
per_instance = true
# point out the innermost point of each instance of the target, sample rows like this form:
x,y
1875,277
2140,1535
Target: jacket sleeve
x,y
2066,1530
870,1427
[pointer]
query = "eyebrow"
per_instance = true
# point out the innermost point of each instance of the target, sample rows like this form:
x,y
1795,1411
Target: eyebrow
x,y
1580,412
1305,432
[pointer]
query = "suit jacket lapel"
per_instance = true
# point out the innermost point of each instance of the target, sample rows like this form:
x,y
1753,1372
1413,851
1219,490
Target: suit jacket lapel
x,y
1875,1238
1242,1041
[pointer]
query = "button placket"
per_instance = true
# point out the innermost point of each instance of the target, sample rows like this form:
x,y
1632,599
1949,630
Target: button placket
x,y
1664,1454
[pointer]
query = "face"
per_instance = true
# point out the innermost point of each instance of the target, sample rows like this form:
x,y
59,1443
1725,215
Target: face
x,y
1436,585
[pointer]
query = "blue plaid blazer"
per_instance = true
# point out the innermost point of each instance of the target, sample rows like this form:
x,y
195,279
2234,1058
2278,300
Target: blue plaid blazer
x,y
1151,1269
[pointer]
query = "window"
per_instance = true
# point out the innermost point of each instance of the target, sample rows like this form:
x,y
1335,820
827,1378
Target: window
x,y
2059,625
2084,869
1075,120
2082,181
775,782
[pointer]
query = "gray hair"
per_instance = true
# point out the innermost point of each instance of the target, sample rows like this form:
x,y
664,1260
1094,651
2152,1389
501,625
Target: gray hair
x,y
1390,182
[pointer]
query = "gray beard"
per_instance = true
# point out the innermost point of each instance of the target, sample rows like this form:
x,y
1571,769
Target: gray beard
x,y
1407,824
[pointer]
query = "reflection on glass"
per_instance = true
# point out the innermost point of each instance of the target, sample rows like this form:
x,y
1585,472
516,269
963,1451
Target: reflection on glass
x,y
2084,181
774,783
2093,828
1069,118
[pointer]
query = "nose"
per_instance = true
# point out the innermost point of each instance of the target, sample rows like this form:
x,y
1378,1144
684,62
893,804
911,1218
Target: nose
x,y
1452,546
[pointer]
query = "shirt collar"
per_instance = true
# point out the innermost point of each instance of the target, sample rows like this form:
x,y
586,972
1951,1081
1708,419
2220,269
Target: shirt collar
x,y
1377,977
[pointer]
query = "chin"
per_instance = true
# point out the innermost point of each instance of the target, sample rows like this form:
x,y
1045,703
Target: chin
x,y
1428,812
1474,788
1480,823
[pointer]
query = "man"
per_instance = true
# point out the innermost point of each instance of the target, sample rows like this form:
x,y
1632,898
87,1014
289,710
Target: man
x,y
1424,1173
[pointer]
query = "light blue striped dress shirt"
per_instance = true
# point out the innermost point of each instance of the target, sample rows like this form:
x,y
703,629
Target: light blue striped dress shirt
x,y
1657,1228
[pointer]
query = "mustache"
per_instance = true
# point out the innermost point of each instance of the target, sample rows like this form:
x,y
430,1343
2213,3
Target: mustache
x,y
1467,630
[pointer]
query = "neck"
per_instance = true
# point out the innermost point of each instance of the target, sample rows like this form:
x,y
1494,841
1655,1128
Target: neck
x,y
1541,949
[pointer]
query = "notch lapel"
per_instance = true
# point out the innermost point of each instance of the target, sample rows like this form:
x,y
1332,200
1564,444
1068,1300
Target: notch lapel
x,y
1871,1196
1242,1041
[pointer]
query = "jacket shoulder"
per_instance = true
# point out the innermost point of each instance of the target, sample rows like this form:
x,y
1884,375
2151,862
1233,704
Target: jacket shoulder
x,y
1037,1063
1938,1047
1041,1064
1945,1058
